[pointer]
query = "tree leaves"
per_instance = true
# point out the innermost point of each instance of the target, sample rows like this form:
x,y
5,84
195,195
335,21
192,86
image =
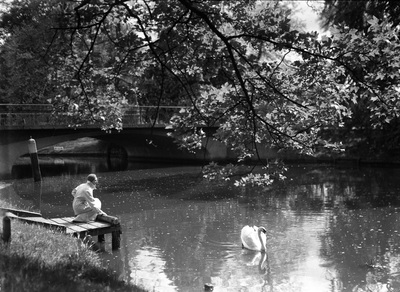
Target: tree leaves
x,y
239,66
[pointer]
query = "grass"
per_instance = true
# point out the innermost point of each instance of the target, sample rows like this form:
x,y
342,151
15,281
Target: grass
x,y
39,259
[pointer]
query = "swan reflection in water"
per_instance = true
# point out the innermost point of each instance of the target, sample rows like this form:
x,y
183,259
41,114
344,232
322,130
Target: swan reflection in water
x,y
259,259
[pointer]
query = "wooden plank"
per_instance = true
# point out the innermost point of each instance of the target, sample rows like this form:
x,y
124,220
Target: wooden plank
x,y
94,224
70,227
88,225
39,220
99,224
67,219
22,213
85,225
82,227
74,229
63,221
107,230
44,222
11,215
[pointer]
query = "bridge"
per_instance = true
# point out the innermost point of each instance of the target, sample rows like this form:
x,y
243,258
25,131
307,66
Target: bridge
x,y
144,134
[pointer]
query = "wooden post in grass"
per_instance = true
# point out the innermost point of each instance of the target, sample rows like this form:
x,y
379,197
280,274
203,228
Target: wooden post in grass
x,y
6,229
34,160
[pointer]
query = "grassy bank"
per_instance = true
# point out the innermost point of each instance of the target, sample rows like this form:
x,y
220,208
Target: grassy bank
x,y
38,259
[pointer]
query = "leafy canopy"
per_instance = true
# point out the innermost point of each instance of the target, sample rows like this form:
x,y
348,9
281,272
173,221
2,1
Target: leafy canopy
x,y
241,66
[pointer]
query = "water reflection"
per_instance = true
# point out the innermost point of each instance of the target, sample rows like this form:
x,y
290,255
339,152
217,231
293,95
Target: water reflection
x,y
328,229
70,165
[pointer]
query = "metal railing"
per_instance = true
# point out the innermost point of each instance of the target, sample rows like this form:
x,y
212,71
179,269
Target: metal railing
x,y
16,116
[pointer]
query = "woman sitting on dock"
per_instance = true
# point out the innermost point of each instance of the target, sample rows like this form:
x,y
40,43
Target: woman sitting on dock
x,y
86,207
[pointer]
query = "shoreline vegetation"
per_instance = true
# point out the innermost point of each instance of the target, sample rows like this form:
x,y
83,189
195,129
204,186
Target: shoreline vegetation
x,y
40,259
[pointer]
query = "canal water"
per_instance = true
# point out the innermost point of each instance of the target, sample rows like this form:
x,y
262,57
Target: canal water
x,y
329,229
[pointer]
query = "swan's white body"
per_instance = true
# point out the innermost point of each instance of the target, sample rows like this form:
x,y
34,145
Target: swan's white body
x,y
254,238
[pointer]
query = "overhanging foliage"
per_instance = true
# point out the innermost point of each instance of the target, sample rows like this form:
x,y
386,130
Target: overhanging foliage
x,y
240,65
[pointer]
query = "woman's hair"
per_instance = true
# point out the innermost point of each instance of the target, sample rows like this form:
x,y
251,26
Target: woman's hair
x,y
92,177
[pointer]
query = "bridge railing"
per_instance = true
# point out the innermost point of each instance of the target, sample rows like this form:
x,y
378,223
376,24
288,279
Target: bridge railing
x,y
149,115
41,116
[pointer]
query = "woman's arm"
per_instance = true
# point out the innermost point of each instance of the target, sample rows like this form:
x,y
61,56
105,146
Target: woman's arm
x,y
91,201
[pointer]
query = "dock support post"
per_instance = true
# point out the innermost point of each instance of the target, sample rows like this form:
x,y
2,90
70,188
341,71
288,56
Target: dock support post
x,y
34,160
116,239
6,229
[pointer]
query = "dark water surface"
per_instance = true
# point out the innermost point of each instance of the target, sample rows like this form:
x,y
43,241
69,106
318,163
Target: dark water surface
x,y
329,229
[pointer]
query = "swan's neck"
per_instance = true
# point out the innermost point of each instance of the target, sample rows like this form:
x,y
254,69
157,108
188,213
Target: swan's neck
x,y
263,244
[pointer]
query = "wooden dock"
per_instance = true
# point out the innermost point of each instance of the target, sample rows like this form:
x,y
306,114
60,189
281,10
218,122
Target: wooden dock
x,y
65,225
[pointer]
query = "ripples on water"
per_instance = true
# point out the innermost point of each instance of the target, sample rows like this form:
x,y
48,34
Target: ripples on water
x,y
328,229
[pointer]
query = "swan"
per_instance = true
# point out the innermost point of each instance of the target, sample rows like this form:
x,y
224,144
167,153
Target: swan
x,y
254,238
